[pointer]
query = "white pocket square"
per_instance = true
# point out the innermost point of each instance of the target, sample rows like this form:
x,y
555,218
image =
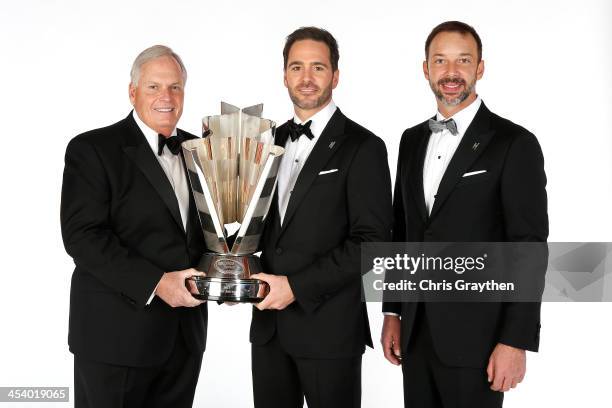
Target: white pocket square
x,y
327,171
473,173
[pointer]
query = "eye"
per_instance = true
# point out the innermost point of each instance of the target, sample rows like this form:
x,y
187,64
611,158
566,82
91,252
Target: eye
x,y
438,61
465,60
294,68
319,68
153,87
176,87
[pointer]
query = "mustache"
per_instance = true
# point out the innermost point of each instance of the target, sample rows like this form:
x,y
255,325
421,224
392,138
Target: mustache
x,y
452,80
307,85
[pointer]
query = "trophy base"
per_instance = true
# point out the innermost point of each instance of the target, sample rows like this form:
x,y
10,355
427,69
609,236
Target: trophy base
x,y
228,290
228,279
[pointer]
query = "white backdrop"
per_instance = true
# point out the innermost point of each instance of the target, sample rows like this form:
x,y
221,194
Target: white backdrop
x,y
65,69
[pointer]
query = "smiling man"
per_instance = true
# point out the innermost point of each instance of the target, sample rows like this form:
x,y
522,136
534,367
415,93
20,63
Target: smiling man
x,y
466,175
128,222
334,192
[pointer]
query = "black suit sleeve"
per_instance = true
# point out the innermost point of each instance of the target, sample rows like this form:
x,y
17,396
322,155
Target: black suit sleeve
x,y
399,221
87,233
523,193
369,211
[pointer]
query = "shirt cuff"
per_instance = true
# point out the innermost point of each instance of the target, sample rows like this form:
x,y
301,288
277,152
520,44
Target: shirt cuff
x,y
152,295
391,314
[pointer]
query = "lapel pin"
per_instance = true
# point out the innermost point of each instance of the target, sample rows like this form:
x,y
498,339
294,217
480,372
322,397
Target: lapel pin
x,y
331,145
475,146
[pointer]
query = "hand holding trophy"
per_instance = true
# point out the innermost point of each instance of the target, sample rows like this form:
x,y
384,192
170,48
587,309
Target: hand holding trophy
x,y
232,172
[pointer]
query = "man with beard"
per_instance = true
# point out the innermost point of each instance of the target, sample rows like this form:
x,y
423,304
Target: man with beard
x,y
334,192
466,175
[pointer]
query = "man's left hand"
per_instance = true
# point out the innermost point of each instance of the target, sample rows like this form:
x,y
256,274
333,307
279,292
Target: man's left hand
x,y
280,295
507,366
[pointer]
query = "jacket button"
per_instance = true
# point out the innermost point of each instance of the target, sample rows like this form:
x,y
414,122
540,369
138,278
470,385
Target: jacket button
x,y
279,251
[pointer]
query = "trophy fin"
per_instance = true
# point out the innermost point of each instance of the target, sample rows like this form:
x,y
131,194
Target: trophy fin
x,y
249,234
227,108
213,230
255,110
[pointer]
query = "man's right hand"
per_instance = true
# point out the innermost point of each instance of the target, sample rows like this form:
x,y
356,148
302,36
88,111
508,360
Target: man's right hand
x,y
172,290
390,339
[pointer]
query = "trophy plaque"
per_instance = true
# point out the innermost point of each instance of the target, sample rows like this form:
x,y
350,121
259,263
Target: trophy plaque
x,y
232,172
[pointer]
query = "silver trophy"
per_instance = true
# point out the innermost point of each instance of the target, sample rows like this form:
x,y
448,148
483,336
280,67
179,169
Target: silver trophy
x,y
232,172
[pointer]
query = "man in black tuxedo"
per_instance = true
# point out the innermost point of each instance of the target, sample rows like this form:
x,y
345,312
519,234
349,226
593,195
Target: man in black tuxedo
x,y
130,225
466,175
334,192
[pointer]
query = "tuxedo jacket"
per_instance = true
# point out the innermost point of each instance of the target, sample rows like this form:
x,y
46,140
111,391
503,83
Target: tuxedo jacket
x,y
506,203
318,245
122,226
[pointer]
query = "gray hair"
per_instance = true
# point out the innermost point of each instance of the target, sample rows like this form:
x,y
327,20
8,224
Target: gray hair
x,y
150,53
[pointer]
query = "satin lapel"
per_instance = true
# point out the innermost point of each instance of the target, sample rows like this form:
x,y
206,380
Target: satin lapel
x,y
416,171
474,142
142,155
333,135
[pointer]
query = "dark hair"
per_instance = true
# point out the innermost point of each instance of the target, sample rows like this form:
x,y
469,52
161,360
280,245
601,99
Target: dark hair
x,y
314,34
453,27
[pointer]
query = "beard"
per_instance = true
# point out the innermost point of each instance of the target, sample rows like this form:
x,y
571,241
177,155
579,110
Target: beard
x,y
306,103
463,95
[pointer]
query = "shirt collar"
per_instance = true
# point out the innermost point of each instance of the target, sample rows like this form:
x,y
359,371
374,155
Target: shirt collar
x,y
151,135
319,119
464,117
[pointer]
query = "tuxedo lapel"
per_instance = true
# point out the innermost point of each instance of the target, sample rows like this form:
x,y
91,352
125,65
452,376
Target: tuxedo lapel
x,y
329,142
474,142
140,153
416,171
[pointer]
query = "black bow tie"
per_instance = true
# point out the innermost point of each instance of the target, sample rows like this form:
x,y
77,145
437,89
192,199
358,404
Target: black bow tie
x,y
173,143
296,130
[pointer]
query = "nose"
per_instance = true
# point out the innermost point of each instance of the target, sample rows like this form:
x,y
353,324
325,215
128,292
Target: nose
x,y
452,69
164,94
307,76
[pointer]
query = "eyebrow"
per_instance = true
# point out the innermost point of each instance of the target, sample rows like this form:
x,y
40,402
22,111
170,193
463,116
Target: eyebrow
x,y
463,54
151,82
302,63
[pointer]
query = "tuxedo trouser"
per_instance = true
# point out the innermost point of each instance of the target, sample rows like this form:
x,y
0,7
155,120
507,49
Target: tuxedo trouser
x,y
171,384
282,381
429,383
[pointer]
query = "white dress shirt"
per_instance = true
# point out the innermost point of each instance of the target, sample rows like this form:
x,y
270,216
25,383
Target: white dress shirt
x,y
441,148
172,166
440,151
296,154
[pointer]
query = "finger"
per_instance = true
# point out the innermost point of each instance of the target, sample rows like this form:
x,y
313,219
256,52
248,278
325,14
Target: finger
x,y
388,354
192,272
261,276
263,305
191,302
514,383
387,344
490,371
498,380
397,351
507,383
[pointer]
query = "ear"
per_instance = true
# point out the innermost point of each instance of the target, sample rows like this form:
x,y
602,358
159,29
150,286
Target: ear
x,y
132,93
335,79
285,78
480,70
426,70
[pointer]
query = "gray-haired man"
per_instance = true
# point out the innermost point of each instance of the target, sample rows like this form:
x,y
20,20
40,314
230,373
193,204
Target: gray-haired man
x,y
129,224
